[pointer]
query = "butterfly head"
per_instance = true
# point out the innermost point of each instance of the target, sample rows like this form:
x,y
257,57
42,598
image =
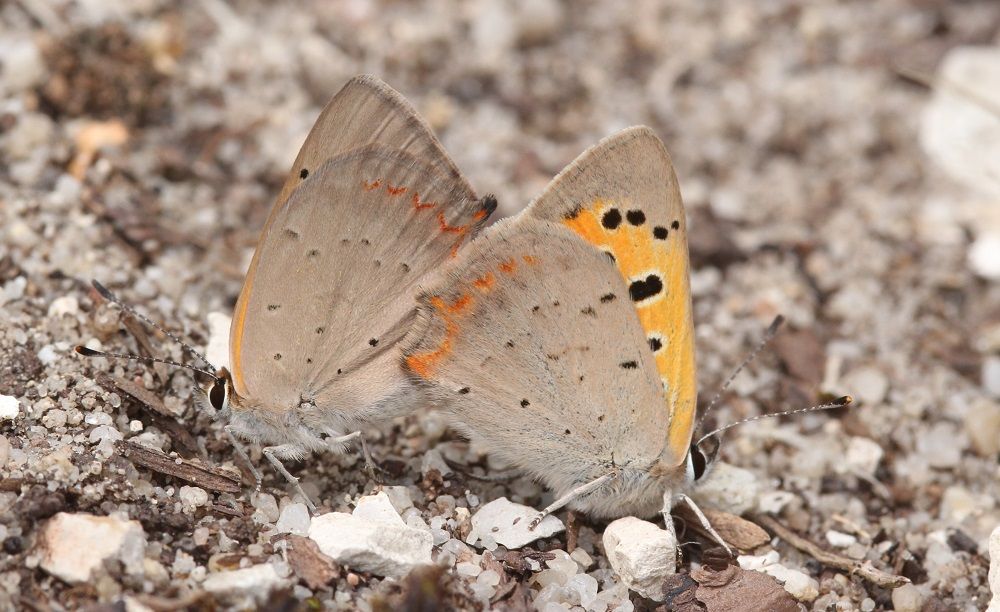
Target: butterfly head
x,y
220,391
701,458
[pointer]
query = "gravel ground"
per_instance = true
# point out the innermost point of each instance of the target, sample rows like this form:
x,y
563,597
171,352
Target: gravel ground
x,y
143,142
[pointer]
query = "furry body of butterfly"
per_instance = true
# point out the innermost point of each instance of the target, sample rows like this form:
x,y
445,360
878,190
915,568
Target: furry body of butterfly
x,y
563,339
372,204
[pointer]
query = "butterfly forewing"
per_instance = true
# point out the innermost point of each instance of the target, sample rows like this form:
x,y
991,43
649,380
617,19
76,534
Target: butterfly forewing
x,y
337,269
533,341
622,197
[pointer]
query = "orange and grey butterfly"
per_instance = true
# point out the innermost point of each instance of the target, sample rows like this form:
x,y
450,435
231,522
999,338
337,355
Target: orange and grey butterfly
x,y
571,364
372,204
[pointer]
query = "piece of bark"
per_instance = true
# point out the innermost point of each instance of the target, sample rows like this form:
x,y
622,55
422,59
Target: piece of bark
x,y
309,563
159,413
731,589
206,477
736,531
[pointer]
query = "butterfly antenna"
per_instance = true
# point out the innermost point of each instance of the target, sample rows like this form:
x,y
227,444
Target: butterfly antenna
x,y
89,352
840,402
772,330
106,294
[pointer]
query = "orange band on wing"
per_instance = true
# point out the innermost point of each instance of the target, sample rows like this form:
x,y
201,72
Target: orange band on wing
x,y
654,263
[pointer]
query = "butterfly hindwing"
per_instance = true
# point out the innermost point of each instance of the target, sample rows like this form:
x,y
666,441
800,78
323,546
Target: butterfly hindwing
x,y
532,338
622,197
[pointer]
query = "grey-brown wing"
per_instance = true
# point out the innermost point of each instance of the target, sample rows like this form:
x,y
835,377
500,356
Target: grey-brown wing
x,y
336,274
622,197
533,341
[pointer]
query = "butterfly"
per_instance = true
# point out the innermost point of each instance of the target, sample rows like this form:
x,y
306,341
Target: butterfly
x,y
563,338
372,204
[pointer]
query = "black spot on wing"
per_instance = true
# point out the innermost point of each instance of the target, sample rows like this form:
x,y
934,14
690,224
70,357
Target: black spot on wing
x,y
628,365
525,403
611,219
303,173
589,311
636,217
277,356
608,297
463,390
312,253
291,233
273,307
655,343
645,288
676,225
573,213
660,232
373,342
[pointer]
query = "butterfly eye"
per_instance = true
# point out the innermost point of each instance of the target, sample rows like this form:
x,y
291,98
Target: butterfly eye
x,y
698,462
217,394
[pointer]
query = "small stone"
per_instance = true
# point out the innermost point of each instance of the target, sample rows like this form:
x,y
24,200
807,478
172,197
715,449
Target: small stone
x,y
468,569
399,497
192,497
994,575
73,546
774,502
266,508
839,539
642,555
984,259
863,455
982,425
562,563
489,578
907,598
506,523
9,407
382,547
201,536
434,460
294,518
869,385
245,587
958,503
217,350
799,585
377,508
991,367
585,586
728,488
65,305
582,558
942,444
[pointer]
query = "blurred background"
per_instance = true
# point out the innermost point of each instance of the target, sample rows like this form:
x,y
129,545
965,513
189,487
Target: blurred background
x,y
840,162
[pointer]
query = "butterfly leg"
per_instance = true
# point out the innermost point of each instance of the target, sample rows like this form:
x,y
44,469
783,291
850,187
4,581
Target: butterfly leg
x,y
565,499
241,452
707,526
272,452
369,462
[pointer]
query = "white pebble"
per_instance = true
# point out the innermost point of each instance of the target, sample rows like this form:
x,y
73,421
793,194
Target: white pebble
x,y
582,558
75,545
504,522
642,555
839,539
248,585
908,598
863,455
294,518
192,497
729,488
65,305
489,577
9,407
466,568
994,575
266,508
991,373
384,548
562,563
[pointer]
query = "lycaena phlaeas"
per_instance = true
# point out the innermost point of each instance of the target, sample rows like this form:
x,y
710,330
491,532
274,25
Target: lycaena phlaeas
x,y
372,204
563,338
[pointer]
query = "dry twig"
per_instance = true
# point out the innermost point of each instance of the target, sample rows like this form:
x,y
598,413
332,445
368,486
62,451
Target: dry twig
x,y
212,478
865,569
